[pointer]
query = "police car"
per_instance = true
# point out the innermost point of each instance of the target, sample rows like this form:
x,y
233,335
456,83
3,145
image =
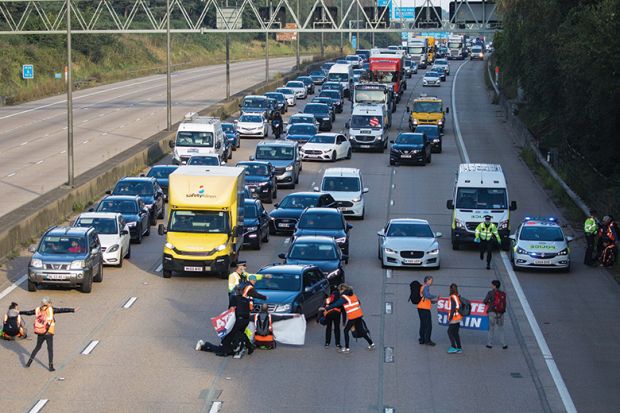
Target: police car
x,y
540,243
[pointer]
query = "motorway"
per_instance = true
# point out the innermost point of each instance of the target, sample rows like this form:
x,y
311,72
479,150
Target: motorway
x,y
107,120
145,361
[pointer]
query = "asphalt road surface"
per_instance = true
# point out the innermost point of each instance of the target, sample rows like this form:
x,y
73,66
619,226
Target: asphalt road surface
x,y
145,360
107,120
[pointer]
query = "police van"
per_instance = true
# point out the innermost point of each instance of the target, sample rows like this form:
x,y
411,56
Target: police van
x,y
368,127
198,135
479,190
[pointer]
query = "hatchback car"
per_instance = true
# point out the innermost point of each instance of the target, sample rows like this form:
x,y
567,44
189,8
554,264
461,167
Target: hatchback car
x,y
252,125
440,70
282,103
161,174
289,94
205,160
320,111
327,222
355,60
329,102
443,64
540,243
322,252
230,130
255,224
299,87
405,242
260,179
134,212
298,289
149,192
327,147
434,135
346,186
431,78
284,217
410,148
301,132
66,256
113,234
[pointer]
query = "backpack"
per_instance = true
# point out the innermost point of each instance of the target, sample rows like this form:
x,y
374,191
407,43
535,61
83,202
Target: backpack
x,y
40,323
262,326
359,329
465,308
414,292
499,302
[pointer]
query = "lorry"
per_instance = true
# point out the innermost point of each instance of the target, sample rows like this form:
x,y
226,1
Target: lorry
x,y
427,110
430,53
375,93
417,48
198,135
389,68
456,47
204,230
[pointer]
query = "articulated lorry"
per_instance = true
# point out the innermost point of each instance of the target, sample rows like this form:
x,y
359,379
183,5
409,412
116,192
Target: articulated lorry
x,y
389,68
417,49
456,47
204,232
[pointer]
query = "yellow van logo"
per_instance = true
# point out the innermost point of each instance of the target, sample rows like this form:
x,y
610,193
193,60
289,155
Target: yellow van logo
x,y
200,193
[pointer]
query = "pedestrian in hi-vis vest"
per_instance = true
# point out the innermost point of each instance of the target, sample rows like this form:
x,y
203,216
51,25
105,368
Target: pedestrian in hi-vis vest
x,y
44,328
454,320
590,230
424,311
496,308
486,235
354,314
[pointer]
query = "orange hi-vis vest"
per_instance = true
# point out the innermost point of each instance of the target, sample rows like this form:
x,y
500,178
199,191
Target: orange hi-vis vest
x,y
457,316
424,303
328,301
263,338
352,307
246,290
49,318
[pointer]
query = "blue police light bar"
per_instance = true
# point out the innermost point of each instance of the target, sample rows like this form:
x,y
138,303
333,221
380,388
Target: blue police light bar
x,y
550,219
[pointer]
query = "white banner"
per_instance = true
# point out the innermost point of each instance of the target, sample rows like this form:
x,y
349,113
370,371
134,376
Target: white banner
x,y
289,331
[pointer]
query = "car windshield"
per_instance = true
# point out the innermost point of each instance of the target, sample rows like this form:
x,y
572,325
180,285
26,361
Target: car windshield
x,y
304,79
255,169
481,198
251,119
101,225
369,96
429,130
285,91
323,139
327,66
161,173
410,230
277,96
427,107
325,100
228,128
62,245
204,222
455,45
407,63
204,161
117,205
476,50
317,73
312,251
249,211
541,233
365,121
332,94
352,58
316,108
416,50
410,138
301,119
359,72
301,129
441,62
133,188
299,202
338,77
296,84
279,282
254,103
320,221
185,138
275,152
341,184
432,74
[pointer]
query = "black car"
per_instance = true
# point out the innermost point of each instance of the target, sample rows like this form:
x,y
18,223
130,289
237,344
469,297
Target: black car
x,y
284,156
333,86
274,106
205,160
284,217
318,77
328,222
301,132
134,211
255,224
336,98
322,252
281,103
161,174
433,134
147,189
308,82
260,179
320,111
329,102
300,289
410,148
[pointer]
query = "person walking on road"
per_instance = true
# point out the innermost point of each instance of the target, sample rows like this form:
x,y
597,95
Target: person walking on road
x,y
590,229
44,328
454,320
424,311
486,234
496,302
355,321
332,319
12,324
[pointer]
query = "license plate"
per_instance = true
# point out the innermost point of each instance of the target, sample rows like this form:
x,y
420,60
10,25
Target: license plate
x,y
55,276
409,261
193,269
365,146
405,156
542,262
365,132
284,225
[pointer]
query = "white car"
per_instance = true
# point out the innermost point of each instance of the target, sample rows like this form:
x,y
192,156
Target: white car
x,y
301,118
299,87
326,147
289,94
113,235
443,64
540,243
431,79
345,185
407,242
252,124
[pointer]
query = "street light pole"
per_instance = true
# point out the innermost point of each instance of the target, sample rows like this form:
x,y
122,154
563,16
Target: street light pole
x,y
227,65
70,160
168,68
297,51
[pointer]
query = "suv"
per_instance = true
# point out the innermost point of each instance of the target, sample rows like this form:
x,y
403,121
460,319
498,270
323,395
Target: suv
x,y
149,192
346,186
285,158
132,209
66,256
260,179
328,222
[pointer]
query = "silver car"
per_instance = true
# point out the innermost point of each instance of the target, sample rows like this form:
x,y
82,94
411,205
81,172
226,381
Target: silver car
x,y
299,87
407,242
540,243
289,94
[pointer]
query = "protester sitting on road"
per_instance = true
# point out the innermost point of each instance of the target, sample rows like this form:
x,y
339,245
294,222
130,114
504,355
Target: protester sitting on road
x,y
13,325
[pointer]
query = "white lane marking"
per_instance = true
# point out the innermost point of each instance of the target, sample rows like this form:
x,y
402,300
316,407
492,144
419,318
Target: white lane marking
x,y
39,162
37,407
538,335
63,151
388,273
138,120
391,202
215,407
11,174
85,120
90,347
122,126
130,302
159,268
287,240
104,133
23,143
393,186
86,141
13,286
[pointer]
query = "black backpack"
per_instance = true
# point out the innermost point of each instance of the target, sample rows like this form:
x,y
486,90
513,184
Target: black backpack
x,y
414,292
11,327
360,330
465,308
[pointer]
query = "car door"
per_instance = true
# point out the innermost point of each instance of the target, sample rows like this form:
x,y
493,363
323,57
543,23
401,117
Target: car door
x,y
263,220
125,238
341,149
143,215
94,254
312,291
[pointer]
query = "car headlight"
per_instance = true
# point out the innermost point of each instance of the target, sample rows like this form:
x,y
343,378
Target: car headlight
x,y
415,151
250,229
503,224
521,251
356,200
436,140
440,121
169,246
113,248
264,183
78,265
220,247
36,263
131,224
289,168
334,273
459,224
390,251
563,252
433,251
282,308
341,240
326,118
415,121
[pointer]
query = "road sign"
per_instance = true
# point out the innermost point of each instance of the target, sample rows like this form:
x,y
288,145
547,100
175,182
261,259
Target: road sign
x,y
354,41
28,71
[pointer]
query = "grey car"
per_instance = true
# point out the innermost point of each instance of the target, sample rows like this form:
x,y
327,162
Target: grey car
x,y
284,156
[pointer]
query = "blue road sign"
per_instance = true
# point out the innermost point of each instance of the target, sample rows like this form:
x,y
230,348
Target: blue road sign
x,y
354,41
28,71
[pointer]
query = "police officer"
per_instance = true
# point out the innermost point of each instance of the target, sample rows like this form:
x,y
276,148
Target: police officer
x,y
590,229
235,278
244,303
485,231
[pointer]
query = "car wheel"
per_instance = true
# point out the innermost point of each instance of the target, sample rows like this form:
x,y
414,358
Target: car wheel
x,y
32,286
349,152
392,163
167,273
120,261
148,231
257,246
153,218
87,285
363,213
334,157
296,180
430,158
139,240
275,192
99,276
269,199
440,147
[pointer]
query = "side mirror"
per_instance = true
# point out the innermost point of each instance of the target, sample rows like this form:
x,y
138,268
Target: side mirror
x,y
32,249
307,289
512,237
124,232
438,235
315,189
365,191
282,256
108,192
349,226
347,125
276,205
251,157
408,109
91,209
218,145
222,163
513,205
447,110
142,175
238,231
569,238
145,211
236,121
450,204
381,233
161,229
94,251
171,144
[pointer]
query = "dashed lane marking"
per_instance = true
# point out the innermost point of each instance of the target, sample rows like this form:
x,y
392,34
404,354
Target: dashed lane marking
x,y
215,407
159,268
13,286
90,347
130,302
39,406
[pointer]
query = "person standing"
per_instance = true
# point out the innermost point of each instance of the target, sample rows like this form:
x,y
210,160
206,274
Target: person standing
x,y
609,240
424,311
486,234
44,328
496,302
454,320
12,324
235,278
353,311
590,229
243,304
332,319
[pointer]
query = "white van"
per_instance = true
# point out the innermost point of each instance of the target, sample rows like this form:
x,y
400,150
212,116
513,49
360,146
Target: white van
x,y
198,135
479,190
346,186
342,73
368,127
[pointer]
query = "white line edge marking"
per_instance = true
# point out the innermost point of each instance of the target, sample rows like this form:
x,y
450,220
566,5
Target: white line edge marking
x,y
159,268
388,273
560,385
90,347
13,286
215,407
37,407
11,174
130,302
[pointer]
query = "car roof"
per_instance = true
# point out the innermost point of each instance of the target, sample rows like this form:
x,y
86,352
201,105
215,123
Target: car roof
x,y
283,269
108,215
254,97
316,194
70,231
304,124
136,179
342,172
320,210
121,198
408,221
250,201
330,134
301,115
315,238
539,222
164,166
274,142
253,163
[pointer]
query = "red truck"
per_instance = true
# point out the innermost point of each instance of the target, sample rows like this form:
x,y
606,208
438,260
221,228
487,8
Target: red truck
x,y
388,67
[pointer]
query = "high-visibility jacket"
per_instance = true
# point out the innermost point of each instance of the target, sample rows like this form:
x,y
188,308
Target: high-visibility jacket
x,y
329,300
425,303
456,316
590,227
234,278
485,233
49,317
263,336
352,307
245,294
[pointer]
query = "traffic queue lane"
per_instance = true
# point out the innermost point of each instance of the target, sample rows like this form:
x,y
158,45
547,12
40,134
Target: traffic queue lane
x,y
145,359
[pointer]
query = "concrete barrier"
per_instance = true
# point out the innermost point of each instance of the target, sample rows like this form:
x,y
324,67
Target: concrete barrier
x,y
25,225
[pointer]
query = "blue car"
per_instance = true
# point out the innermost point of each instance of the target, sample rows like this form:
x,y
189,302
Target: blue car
x,y
318,77
410,148
327,222
434,135
161,174
320,251
298,289
232,135
255,224
147,189
301,132
284,217
260,180
134,212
